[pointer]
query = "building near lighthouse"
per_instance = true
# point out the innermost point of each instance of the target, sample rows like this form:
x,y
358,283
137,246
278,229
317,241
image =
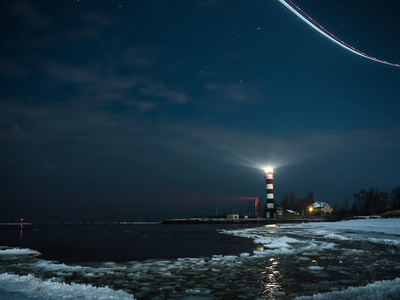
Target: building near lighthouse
x,y
320,208
270,211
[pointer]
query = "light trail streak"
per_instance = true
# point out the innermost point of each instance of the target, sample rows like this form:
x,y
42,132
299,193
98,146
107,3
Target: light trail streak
x,y
317,27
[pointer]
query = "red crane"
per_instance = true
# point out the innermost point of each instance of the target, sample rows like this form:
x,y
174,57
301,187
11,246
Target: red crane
x,y
257,207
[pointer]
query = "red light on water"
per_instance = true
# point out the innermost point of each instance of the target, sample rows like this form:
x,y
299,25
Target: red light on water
x,y
20,234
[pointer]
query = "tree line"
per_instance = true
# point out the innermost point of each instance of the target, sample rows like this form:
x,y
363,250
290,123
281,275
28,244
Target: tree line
x,y
364,202
372,202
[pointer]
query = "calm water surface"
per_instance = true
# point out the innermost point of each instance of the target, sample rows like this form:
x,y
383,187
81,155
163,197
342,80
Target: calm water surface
x,y
119,243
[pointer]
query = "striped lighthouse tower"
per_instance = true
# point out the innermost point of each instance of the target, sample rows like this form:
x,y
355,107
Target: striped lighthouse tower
x,y
269,176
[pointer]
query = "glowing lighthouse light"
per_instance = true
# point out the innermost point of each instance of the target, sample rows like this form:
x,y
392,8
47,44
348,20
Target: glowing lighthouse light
x,y
268,170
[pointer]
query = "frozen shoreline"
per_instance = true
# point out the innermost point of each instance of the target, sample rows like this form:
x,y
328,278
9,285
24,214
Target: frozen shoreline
x,y
387,226
29,287
356,258
244,221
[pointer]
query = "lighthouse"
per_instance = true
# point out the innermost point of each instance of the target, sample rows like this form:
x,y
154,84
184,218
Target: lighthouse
x,y
270,211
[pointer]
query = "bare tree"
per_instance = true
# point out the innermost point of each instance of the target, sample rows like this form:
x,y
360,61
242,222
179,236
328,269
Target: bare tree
x,y
285,201
359,202
395,196
293,201
371,202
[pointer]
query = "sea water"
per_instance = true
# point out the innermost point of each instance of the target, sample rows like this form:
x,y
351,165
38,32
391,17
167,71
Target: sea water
x,y
338,260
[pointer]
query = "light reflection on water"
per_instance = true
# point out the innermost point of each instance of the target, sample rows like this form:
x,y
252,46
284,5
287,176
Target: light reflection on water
x,y
270,228
272,281
259,248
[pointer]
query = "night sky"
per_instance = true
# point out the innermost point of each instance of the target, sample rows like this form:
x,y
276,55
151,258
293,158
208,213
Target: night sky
x,y
144,110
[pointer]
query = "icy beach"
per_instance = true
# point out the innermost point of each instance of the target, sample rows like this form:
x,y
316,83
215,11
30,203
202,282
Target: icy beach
x,y
356,259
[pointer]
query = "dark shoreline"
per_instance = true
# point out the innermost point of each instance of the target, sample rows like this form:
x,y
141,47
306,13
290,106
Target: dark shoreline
x,y
244,221
176,221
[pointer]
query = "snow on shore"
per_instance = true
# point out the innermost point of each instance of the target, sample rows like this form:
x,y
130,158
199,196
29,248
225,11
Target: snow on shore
x,y
388,231
379,231
29,287
387,289
386,226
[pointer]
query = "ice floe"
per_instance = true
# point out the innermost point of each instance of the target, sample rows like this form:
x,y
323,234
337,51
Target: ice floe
x,y
388,290
27,286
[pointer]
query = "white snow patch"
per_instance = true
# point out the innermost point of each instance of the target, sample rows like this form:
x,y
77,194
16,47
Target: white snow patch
x,y
386,226
315,268
275,242
32,287
387,289
12,252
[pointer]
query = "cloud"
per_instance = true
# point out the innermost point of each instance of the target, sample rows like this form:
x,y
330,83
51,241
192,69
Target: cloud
x,y
237,92
140,57
142,106
98,19
12,136
102,86
209,3
67,73
27,12
13,69
160,90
